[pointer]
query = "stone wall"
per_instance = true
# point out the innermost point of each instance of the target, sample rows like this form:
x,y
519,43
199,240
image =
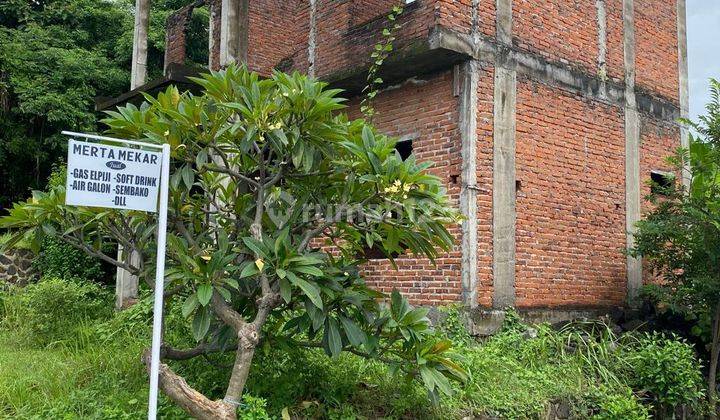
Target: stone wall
x,y
16,266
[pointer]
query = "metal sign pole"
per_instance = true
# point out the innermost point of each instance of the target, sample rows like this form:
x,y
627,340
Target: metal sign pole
x,y
159,283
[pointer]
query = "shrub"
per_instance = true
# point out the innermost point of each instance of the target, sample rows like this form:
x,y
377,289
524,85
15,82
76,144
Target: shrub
x,y
612,406
252,408
666,368
58,259
453,325
54,309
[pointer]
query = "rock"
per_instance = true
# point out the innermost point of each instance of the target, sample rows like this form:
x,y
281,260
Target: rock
x,y
530,332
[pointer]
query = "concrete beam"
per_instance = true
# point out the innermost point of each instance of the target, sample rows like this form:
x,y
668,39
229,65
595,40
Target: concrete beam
x,y
469,75
632,152
504,216
683,81
561,75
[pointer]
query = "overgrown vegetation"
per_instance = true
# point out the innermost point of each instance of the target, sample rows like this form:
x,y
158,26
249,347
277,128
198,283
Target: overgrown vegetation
x,y
90,369
680,238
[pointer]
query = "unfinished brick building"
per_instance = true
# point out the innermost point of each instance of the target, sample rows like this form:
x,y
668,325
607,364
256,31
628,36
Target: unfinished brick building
x,y
545,119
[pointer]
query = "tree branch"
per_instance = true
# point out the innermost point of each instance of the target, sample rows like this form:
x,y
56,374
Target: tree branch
x,y
192,401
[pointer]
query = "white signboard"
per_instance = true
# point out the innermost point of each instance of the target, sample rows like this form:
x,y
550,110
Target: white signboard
x,y
109,176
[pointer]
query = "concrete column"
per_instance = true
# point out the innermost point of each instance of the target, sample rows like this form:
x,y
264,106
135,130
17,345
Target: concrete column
x,y
683,81
211,33
602,46
126,285
504,216
138,71
632,152
468,192
234,23
311,38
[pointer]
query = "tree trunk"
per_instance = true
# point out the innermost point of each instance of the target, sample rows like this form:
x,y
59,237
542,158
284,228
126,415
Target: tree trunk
x,y
714,352
193,402
248,339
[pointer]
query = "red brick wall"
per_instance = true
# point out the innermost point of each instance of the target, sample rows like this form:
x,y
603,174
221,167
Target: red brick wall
x,y
175,36
561,30
615,55
658,140
570,158
570,208
656,59
484,162
456,14
342,47
486,17
363,11
272,33
430,109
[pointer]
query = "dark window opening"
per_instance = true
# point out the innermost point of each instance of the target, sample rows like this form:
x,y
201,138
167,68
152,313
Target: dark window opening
x,y
377,254
518,186
661,182
405,148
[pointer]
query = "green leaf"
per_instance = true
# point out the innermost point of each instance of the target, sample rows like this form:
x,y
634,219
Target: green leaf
x,y
428,378
334,341
204,293
317,316
308,269
232,283
355,335
310,290
188,175
255,246
189,305
285,291
201,323
249,270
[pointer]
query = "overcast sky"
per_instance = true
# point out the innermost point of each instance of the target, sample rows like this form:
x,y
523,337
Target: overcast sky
x,y
703,27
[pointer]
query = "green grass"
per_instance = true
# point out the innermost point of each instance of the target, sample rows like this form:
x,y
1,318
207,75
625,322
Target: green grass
x,y
93,371
74,383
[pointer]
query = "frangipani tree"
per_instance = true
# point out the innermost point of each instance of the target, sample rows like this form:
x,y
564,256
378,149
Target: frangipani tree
x,y
274,199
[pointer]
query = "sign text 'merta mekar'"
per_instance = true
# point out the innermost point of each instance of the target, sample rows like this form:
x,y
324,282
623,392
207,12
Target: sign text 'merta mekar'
x,y
94,150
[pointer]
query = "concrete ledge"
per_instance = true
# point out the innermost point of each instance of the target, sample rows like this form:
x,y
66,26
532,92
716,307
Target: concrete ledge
x,y
443,48
176,74
485,322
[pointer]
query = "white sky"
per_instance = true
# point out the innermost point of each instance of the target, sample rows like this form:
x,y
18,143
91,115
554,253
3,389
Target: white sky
x,y
703,27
